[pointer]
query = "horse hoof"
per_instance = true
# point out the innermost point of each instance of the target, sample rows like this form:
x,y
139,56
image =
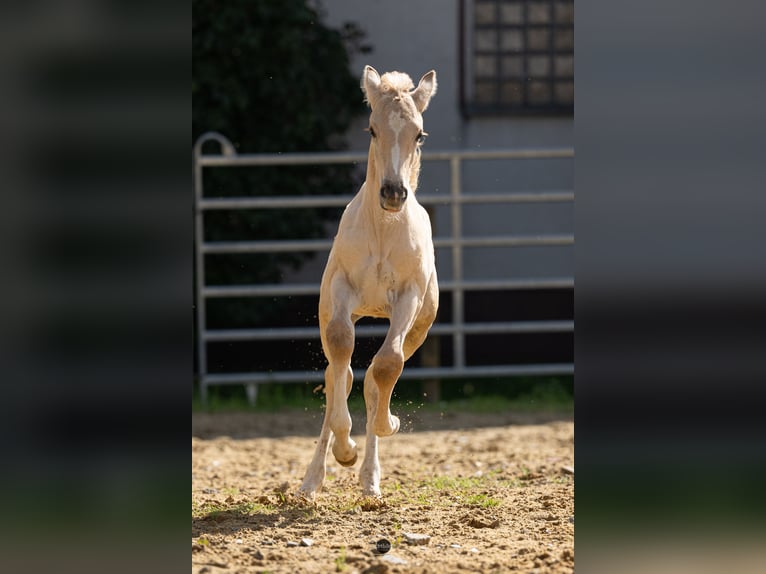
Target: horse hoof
x,y
372,492
392,428
302,495
351,462
307,493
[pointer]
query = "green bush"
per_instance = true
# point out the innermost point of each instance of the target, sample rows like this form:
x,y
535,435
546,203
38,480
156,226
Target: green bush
x,y
271,78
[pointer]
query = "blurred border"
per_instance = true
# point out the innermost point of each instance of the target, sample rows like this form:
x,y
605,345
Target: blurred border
x,y
95,244
95,248
669,285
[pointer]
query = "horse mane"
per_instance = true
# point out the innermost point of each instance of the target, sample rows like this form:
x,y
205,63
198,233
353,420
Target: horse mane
x,y
397,83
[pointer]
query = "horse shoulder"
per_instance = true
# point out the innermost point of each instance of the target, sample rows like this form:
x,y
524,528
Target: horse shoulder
x,y
424,219
420,235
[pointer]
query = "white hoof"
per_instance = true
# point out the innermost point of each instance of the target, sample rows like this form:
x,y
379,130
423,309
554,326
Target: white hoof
x,y
310,487
307,495
372,491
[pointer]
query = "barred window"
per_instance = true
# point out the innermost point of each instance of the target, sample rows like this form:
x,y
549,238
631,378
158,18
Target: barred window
x,y
517,57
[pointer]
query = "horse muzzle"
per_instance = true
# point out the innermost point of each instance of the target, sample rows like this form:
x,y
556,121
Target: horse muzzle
x,y
392,196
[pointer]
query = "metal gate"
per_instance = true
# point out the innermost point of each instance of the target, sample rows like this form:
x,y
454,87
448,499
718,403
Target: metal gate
x,y
458,328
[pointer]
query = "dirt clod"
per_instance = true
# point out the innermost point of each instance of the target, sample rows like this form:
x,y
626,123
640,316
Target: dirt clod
x,y
480,521
369,503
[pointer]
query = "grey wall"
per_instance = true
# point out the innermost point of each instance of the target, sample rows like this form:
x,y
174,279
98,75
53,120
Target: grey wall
x,y
415,37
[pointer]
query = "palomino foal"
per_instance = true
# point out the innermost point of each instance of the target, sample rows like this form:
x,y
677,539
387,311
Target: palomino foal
x,y
381,265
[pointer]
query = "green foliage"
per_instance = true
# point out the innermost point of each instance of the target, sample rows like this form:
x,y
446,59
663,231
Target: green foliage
x,y
449,491
481,500
340,560
272,78
527,394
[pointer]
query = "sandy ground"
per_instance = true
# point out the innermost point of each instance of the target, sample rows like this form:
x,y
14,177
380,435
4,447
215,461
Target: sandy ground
x,y
461,493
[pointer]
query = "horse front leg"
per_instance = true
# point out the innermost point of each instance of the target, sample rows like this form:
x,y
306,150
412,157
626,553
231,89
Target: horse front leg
x,y
388,362
337,332
317,469
379,383
338,342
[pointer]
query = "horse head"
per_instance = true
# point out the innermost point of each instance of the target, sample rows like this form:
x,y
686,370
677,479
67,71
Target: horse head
x,y
396,130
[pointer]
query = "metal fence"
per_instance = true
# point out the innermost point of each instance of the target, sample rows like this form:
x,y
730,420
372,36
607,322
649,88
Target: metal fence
x,y
458,328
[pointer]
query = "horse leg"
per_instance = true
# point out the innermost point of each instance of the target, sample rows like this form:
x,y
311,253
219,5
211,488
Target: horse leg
x,y
388,362
369,473
338,341
417,334
315,473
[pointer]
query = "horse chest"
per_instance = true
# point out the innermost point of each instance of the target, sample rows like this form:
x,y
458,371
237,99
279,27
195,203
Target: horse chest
x,y
379,275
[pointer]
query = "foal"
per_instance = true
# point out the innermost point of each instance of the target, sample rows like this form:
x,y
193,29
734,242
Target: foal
x,y
381,265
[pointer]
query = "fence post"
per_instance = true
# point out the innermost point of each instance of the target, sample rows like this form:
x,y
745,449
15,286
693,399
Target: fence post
x,y
458,337
227,149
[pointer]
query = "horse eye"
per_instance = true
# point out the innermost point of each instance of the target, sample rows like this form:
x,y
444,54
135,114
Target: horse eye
x,y
372,131
421,137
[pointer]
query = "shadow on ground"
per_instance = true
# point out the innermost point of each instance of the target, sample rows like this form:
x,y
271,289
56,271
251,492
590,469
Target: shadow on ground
x,y
247,425
233,520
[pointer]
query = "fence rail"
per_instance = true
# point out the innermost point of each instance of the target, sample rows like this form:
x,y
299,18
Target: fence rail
x,y
488,328
456,242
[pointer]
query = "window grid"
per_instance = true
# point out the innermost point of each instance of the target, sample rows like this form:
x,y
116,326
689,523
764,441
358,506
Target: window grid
x,y
520,56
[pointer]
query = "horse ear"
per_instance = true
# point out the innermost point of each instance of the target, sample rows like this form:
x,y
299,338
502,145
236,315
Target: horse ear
x,y
425,90
370,84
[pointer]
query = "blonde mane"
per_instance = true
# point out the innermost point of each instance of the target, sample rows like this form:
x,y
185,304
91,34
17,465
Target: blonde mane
x,y
395,84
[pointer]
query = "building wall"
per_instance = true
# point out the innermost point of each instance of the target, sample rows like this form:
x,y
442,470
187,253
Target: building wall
x,y
415,37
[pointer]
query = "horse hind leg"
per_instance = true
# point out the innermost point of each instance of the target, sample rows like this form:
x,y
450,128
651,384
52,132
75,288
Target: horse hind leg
x,y
369,473
315,474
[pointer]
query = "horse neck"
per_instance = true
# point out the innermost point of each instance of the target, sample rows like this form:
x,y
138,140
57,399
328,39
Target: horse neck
x,y
415,172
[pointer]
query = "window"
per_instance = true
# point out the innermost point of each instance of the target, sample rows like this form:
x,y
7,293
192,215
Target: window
x,y
517,56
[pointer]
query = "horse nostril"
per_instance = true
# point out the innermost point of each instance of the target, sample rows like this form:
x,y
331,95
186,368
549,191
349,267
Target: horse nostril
x,y
393,191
